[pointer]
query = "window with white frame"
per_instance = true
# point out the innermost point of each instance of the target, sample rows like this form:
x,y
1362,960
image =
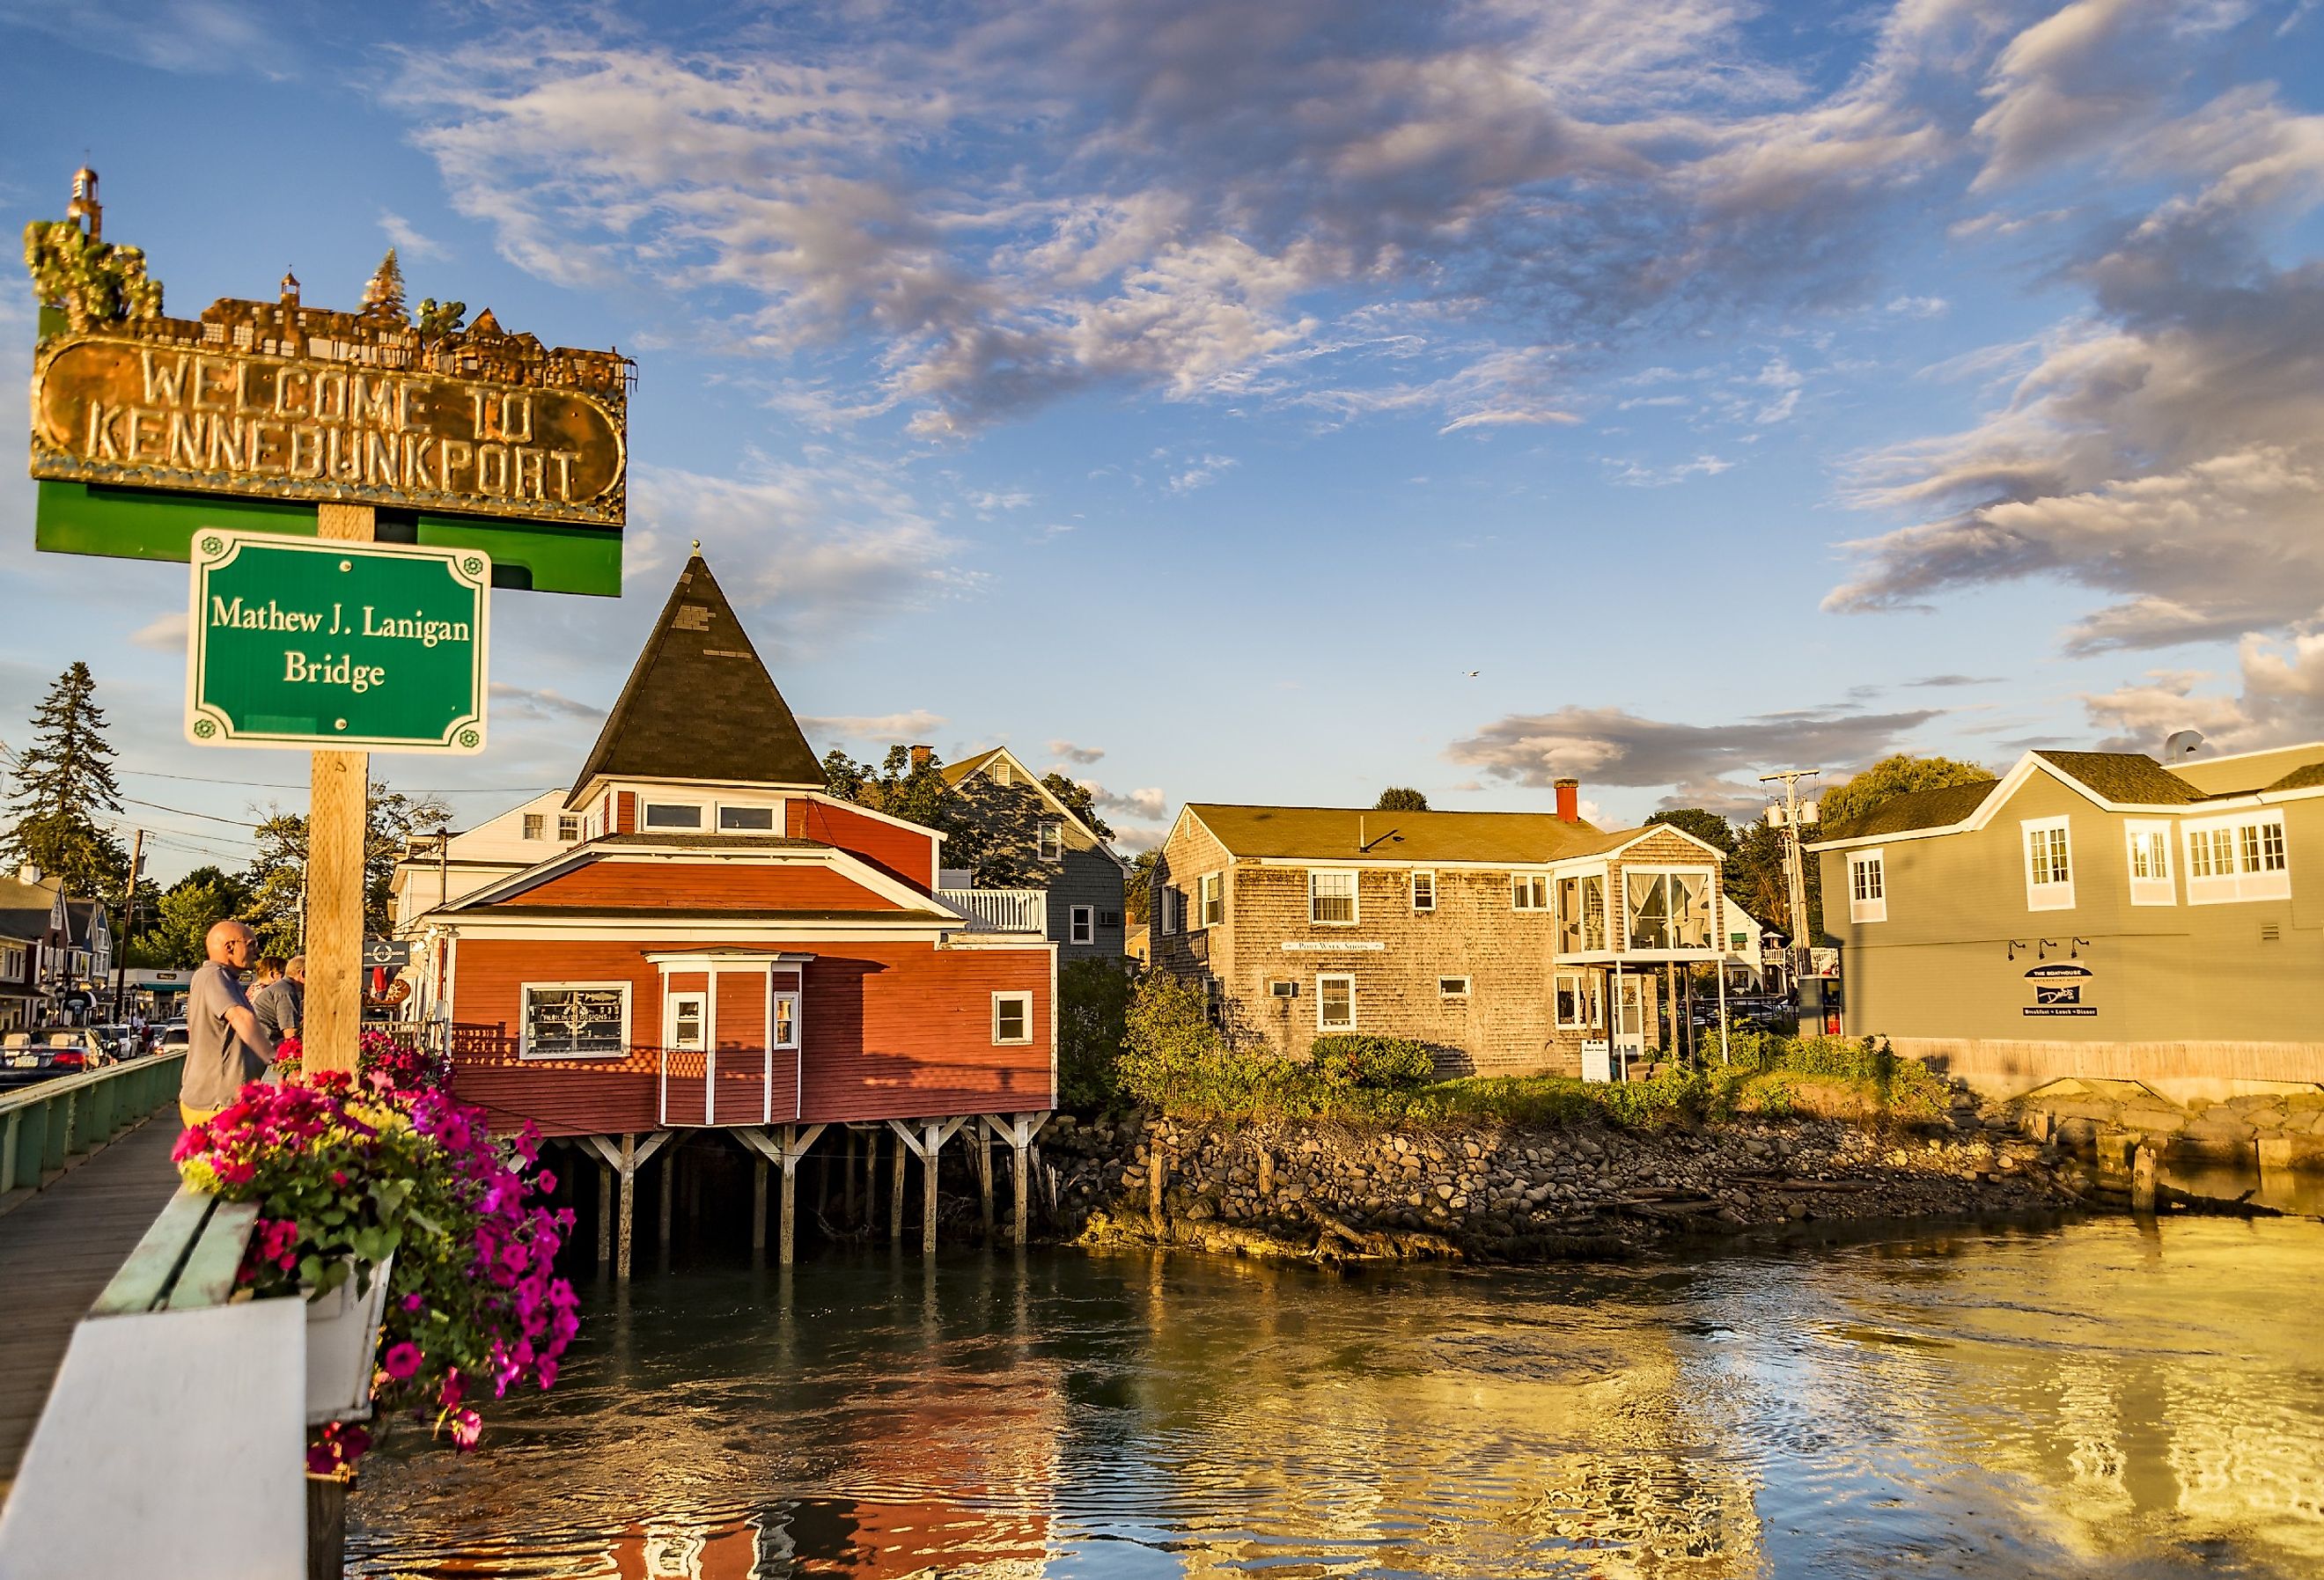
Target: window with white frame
x,y
568,827
1867,885
1080,925
2242,857
785,1024
673,815
1579,1008
1668,908
536,825
1012,1018
1530,890
1335,1003
576,1019
1210,900
1053,840
1453,987
11,960
2149,863
746,819
1424,891
2048,864
1331,896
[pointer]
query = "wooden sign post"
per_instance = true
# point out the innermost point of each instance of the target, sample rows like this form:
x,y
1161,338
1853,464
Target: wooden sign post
x,y
338,826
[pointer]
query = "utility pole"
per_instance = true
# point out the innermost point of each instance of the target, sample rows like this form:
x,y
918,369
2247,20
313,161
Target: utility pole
x,y
128,923
1787,820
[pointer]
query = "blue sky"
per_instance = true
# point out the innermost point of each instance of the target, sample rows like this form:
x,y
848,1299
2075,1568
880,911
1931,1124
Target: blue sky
x,y
1191,394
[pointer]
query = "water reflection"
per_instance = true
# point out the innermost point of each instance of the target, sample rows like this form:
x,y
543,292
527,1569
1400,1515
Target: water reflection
x,y
2100,1399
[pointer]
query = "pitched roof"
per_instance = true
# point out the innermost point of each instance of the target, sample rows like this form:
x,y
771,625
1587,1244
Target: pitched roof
x,y
25,909
954,773
2308,778
699,704
2128,778
1928,809
1337,833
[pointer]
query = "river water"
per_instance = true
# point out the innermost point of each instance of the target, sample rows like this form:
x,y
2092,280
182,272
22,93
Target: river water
x,y
2099,1398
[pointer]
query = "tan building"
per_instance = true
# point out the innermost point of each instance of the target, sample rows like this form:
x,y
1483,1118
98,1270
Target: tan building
x,y
1487,935
2093,913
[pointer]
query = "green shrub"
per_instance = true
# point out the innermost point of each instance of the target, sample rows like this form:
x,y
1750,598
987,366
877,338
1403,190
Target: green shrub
x,y
1093,1008
1384,1063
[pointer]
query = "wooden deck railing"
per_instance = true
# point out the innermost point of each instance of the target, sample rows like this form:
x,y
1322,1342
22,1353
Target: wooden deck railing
x,y
1001,911
47,1127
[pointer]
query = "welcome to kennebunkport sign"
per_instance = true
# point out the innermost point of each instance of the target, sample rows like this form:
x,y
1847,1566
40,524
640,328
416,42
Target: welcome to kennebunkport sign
x,y
310,643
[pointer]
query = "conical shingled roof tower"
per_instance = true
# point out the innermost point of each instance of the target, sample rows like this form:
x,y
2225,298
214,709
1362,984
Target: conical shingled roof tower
x,y
699,706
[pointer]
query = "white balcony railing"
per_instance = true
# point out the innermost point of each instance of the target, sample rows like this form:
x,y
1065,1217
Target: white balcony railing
x,y
1001,911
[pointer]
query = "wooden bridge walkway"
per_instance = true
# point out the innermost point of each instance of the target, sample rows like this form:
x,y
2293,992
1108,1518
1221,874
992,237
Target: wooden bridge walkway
x,y
58,1251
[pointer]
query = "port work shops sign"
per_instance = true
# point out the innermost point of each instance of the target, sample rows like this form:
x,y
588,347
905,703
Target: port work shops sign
x,y
361,646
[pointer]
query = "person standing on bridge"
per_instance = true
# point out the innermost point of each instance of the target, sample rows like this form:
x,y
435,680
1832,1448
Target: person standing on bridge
x,y
225,1045
280,1003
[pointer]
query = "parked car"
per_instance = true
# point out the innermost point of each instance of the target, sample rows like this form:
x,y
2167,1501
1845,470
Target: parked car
x,y
53,1050
170,1037
120,1042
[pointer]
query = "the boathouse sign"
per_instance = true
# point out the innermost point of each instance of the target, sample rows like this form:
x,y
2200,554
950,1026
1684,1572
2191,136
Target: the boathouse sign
x,y
310,643
124,410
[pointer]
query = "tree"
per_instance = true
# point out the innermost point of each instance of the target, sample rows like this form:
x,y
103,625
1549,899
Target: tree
x,y
1092,1006
1138,888
64,779
1398,798
1705,824
90,282
1754,879
1078,801
277,878
175,938
384,295
1891,776
901,788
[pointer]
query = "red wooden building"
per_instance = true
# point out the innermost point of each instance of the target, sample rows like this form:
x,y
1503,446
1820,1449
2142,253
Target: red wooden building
x,y
697,936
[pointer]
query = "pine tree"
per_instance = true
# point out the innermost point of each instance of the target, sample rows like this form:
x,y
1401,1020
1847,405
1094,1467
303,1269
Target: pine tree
x,y
384,297
64,781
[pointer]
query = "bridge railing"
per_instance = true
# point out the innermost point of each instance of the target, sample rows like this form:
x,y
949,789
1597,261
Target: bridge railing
x,y
46,1127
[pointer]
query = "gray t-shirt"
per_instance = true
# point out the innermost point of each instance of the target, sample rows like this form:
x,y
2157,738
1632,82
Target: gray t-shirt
x,y
217,1061
278,1006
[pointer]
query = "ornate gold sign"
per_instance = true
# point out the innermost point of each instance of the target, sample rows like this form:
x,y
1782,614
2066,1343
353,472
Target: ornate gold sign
x,y
282,401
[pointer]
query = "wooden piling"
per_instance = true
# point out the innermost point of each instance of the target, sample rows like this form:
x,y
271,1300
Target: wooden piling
x,y
604,1216
847,1177
932,1143
2142,1178
788,1230
629,1205
758,1207
668,1167
984,1179
895,1194
1021,1181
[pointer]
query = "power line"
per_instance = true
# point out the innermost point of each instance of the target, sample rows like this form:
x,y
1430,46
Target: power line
x,y
469,789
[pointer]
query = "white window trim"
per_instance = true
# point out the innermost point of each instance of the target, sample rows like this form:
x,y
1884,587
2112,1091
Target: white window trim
x,y
1350,978
798,1022
1049,840
1355,895
570,826
774,817
1593,1015
645,816
2046,895
536,825
524,1016
2156,889
1460,991
1022,997
1209,886
1430,875
1525,883
1080,925
707,1032
1876,907
2239,887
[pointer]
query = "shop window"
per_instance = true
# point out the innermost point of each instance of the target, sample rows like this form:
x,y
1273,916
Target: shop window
x,y
1012,1018
2048,864
1331,897
1335,1003
2238,858
1867,886
576,1019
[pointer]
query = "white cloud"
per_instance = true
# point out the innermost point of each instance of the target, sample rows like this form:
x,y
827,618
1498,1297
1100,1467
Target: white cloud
x,y
163,633
1066,752
410,244
539,703
885,729
1199,473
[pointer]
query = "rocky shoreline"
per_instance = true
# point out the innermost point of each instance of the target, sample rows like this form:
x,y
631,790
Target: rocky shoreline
x,y
1512,1195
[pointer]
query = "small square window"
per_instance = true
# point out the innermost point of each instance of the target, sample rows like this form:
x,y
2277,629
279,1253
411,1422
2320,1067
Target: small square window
x,y
1083,928
1012,1018
746,819
536,825
1453,987
1424,891
568,827
1109,919
673,815
786,1021
1530,890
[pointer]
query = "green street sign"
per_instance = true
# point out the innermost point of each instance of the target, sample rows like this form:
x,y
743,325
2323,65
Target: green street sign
x,y
320,644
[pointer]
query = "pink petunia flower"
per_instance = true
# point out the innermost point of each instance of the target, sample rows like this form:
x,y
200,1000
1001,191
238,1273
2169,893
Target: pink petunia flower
x,y
402,1360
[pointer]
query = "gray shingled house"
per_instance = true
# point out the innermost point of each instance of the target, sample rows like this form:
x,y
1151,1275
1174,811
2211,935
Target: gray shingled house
x,y
1034,856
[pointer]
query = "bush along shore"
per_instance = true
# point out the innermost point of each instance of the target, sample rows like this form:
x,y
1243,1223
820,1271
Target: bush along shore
x,y
1359,1153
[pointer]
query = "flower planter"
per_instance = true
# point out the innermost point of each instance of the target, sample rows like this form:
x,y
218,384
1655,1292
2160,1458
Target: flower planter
x,y
342,1347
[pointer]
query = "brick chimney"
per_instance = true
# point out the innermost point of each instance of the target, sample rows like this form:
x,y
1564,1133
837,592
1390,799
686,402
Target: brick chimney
x,y
920,755
1569,800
